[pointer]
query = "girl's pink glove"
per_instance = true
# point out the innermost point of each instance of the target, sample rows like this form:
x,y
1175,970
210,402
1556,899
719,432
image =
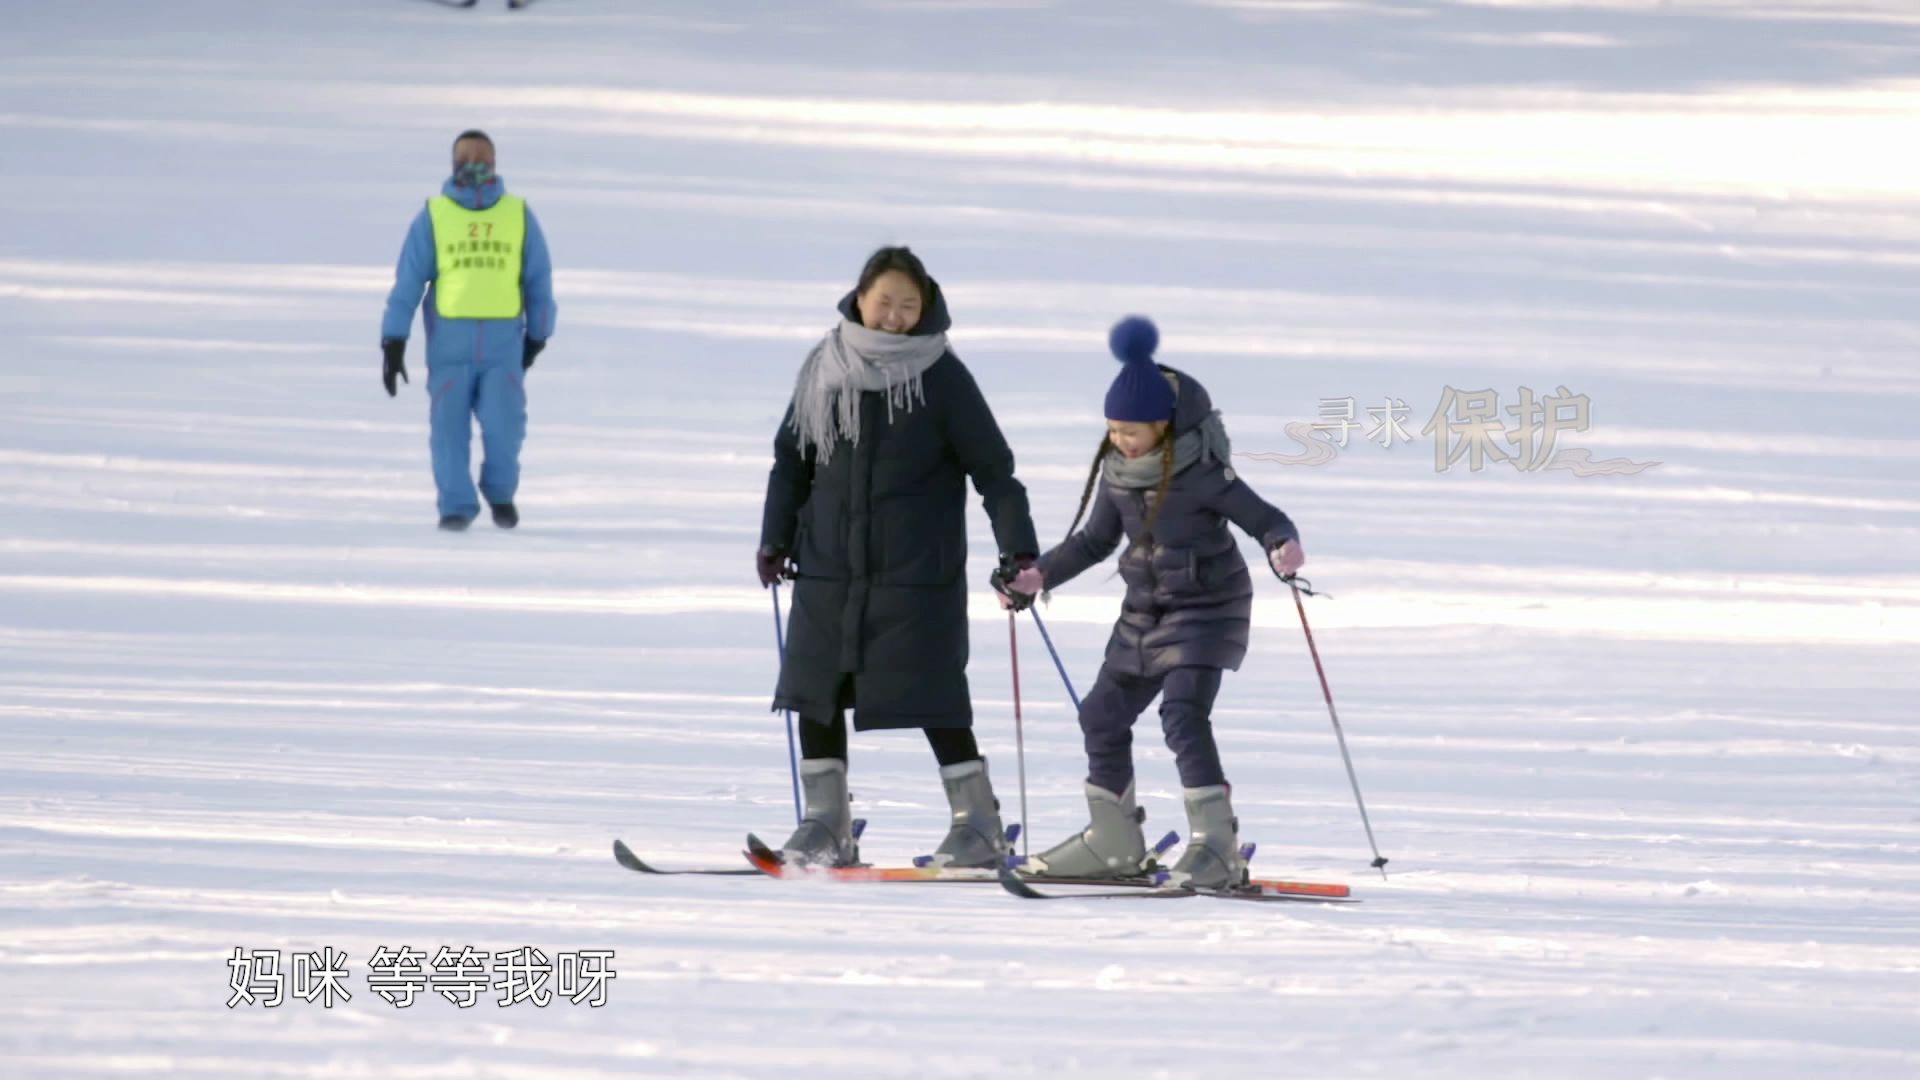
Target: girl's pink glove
x,y
1028,583
1287,559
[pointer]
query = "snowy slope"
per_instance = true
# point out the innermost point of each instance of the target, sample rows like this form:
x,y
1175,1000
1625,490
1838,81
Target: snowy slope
x,y
1642,747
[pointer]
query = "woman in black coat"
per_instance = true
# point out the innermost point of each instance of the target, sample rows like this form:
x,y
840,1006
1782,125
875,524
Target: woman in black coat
x,y
1162,480
866,511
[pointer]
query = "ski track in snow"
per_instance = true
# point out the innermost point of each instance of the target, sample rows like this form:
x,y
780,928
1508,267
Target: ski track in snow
x,y
1641,748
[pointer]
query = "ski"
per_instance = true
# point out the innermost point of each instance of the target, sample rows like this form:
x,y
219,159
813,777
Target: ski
x,y
456,3
624,855
1257,891
773,864
767,861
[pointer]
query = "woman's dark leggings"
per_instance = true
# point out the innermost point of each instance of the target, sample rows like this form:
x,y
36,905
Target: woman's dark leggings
x,y
826,737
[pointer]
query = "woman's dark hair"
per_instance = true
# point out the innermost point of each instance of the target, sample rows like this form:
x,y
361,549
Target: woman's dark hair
x,y
903,260
474,133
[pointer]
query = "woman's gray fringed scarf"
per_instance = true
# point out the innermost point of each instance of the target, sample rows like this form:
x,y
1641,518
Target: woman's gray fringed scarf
x,y
1206,442
849,360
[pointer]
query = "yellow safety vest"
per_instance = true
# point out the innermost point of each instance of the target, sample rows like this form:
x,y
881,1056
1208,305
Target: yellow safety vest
x,y
479,256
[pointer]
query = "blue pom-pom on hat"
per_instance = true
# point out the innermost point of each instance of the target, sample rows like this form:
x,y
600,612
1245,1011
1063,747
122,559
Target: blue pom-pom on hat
x,y
1140,394
1133,339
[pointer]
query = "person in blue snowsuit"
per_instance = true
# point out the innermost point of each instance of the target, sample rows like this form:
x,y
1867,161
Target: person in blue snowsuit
x,y
480,258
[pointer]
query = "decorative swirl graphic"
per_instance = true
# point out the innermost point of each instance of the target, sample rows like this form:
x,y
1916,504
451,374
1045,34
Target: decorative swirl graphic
x,y
1580,462
1318,451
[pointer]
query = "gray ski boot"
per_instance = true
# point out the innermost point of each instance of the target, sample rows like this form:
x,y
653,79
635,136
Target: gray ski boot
x,y
1212,858
825,835
1111,846
977,837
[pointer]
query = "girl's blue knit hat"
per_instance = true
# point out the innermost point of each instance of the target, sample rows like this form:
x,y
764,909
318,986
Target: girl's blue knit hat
x,y
1140,393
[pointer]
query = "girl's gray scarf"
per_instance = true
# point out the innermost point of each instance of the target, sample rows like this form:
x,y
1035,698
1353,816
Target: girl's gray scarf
x,y
849,360
1208,442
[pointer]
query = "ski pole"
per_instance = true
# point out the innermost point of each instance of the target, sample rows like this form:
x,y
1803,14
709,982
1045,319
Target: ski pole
x,y
793,762
1019,725
1379,860
1055,653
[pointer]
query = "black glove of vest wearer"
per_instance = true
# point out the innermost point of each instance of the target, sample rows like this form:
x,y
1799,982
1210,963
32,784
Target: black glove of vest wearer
x,y
393,365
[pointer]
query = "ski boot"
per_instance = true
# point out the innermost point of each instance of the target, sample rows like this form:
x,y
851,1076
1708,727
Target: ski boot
x,y
1111,846
825,836
977,838
1212,859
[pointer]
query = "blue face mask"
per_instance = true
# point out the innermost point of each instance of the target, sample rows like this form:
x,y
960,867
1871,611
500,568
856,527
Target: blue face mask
x,y
472,174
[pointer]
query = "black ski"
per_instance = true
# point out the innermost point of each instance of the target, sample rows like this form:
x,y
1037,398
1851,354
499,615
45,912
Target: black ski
x,y
1023,886
624,855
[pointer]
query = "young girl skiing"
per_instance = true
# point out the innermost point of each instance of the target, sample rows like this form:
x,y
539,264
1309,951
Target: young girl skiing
x,y
1162,478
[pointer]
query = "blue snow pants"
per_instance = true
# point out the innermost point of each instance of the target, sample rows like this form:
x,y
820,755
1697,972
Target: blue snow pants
x,y
1117,699
491,389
